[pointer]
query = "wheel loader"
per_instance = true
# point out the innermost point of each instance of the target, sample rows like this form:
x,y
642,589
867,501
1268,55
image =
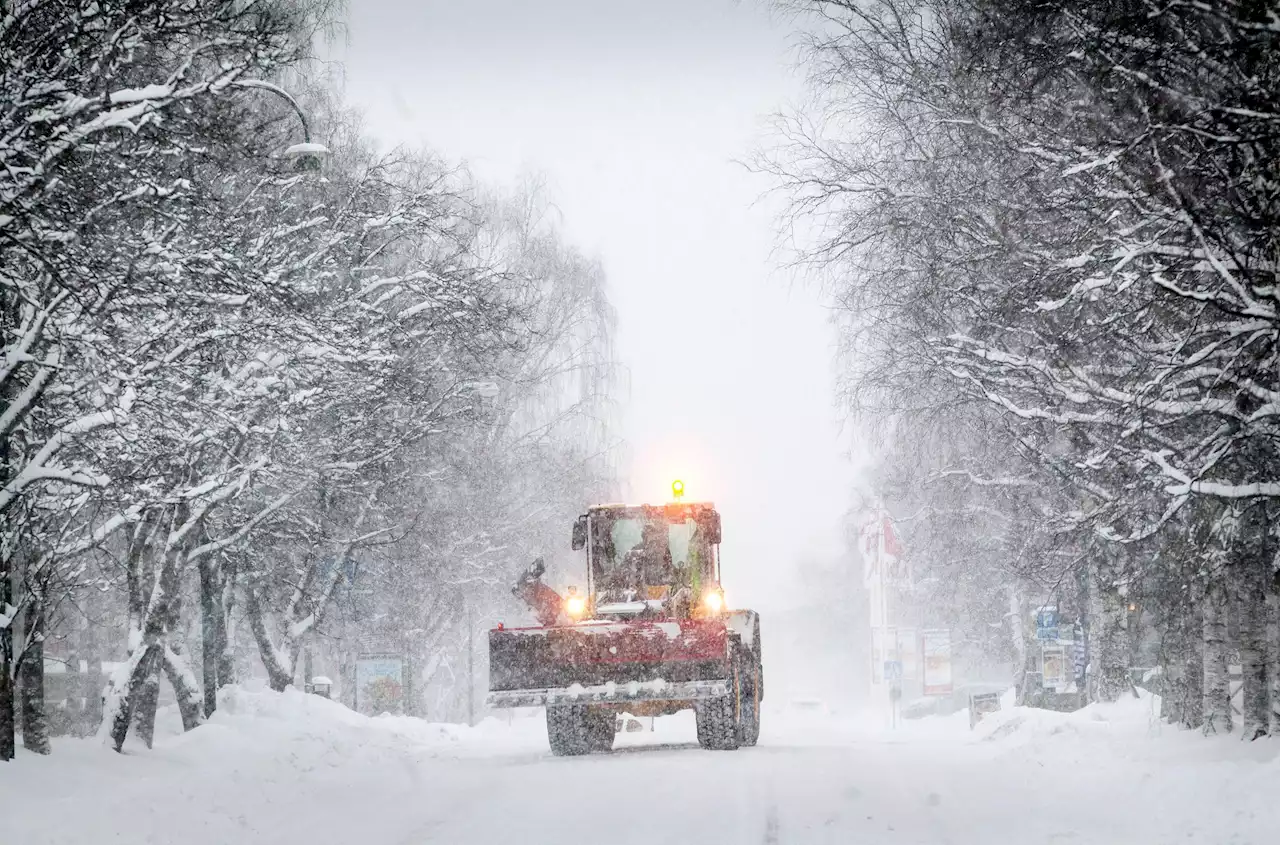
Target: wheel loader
x,y
649,633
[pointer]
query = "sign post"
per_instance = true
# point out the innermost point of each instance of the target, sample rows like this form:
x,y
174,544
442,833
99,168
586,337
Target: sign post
x,y
893,675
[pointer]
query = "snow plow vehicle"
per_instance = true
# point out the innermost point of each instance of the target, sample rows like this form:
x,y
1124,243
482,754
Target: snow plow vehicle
x,y
649,635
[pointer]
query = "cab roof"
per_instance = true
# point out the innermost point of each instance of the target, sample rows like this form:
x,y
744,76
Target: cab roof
x,y
647,508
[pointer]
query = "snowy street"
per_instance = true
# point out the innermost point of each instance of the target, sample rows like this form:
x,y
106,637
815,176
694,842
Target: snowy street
x,y
394,391
297,769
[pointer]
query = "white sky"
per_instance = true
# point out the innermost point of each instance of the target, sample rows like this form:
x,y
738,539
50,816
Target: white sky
x,y
634,111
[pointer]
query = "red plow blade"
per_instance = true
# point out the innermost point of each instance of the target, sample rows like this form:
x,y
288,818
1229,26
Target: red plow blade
x,y
606,661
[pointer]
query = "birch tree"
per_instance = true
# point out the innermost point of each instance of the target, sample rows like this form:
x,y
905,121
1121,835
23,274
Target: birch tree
x,y
1068,211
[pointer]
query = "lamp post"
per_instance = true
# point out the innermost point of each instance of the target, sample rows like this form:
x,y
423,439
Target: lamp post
x,y
306,156
471,666
488,390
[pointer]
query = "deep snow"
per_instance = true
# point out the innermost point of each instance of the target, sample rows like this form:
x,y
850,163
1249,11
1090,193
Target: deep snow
x,y
294,768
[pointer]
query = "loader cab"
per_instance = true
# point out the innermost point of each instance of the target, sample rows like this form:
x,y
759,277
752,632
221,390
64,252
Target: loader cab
x,y
649,557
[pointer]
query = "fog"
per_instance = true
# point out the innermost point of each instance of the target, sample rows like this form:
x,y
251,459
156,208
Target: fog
x,y
636,116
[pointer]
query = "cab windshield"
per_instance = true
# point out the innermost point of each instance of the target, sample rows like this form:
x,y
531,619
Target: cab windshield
x,y
648,556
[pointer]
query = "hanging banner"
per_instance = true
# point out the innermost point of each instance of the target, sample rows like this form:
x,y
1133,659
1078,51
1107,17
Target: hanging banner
x,y
937,662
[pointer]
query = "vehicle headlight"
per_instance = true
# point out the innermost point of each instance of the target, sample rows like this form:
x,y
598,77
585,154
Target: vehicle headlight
x,y
575,606
713,601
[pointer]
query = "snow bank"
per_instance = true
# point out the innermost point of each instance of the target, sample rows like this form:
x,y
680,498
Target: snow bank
x,y
1022,725
254,717
1222,787
267,767
288,768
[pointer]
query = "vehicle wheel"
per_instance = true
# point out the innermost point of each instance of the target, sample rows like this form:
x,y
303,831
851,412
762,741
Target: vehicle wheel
x,y
718,718
601,727
568,729
748,725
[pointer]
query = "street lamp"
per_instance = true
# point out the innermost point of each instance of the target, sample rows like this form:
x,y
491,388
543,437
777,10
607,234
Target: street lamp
x,y
305,156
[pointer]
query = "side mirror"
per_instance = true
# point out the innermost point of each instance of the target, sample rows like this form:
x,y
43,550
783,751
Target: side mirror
x,y
713,528
580,533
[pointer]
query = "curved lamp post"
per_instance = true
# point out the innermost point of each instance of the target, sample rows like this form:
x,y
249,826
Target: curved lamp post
x,y
307,155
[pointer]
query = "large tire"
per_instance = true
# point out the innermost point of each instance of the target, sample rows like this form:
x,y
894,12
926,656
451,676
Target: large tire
x,y
600,731
568,729
748,725
718,717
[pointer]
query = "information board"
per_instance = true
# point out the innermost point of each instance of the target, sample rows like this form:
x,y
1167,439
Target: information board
x,y
937,662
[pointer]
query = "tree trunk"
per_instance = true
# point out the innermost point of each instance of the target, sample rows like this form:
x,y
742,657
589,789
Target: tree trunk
x,y
347,675
123,691
226,652
1182,686
8,738
1273,648
1193,695
173,659
177,668
279,664
1217,691
35,724
148,701
211,644
1249,578
9,317
1019,612
91,646
1108,641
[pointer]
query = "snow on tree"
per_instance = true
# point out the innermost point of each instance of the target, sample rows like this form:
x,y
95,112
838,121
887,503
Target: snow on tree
x,y
1064,215
231,382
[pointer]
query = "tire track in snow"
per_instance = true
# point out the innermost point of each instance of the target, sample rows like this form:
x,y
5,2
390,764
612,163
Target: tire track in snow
x,y
771,825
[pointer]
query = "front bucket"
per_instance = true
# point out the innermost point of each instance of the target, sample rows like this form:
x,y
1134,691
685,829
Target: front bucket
x,y
607,656
611,693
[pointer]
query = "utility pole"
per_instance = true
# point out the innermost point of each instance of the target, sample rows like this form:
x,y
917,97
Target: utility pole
x,y
471,666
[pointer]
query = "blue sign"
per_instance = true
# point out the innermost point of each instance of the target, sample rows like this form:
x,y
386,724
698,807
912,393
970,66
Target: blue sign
x,y
893,670
1047,623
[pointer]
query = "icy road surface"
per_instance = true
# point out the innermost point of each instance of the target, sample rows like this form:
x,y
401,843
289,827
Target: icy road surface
x,y
297,769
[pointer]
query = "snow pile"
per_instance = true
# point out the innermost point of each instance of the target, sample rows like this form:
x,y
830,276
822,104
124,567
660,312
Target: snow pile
x,y
280,769
1222,788
258,719
1131,716
268,767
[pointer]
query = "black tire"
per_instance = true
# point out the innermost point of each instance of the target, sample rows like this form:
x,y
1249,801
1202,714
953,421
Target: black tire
x,y
718,717
568,729
752,671
601,727
748,725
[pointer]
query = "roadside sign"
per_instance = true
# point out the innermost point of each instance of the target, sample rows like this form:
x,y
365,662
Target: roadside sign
x,y
380,684
981,704
937,662
1053,662
893,670
1047,623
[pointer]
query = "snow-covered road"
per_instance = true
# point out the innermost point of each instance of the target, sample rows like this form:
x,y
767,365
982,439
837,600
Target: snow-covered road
x,y
292,769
